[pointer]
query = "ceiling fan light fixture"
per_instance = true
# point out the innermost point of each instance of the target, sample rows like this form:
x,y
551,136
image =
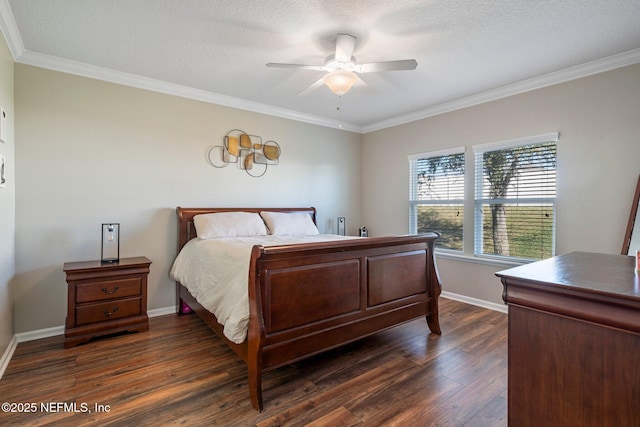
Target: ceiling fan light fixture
x,y
339,81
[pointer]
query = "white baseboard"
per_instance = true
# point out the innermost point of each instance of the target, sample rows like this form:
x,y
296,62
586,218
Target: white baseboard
x,y
8,354
475,301
26,336
59,330
157,312
39,334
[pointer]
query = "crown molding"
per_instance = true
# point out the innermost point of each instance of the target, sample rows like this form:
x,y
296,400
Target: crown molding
x,y
572,73
9,30
84,70
126,79
90,71
14,41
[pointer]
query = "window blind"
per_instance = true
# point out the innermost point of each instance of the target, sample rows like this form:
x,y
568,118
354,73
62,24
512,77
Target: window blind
x,y
515,198
436,199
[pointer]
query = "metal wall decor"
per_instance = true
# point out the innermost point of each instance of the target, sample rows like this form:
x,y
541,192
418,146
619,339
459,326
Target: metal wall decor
x,y
248,152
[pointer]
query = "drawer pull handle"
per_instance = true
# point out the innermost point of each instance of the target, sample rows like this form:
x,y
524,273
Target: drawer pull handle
x,y
109,313
108,292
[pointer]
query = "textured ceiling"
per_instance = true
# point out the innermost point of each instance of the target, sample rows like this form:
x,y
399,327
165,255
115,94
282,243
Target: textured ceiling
x,y
217,50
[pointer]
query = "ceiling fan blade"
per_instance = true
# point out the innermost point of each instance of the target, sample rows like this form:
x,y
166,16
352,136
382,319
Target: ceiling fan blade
x,y
362,86
345,44
311,87
405,64
301,66
360,82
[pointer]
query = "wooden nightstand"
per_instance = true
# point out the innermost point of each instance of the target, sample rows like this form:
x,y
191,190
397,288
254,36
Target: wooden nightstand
x,y
105,298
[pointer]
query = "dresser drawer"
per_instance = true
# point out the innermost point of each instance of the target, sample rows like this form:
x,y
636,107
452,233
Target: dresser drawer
x,y
93,313
108,289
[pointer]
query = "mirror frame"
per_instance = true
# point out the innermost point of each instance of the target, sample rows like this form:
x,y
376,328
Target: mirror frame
x,y
632,219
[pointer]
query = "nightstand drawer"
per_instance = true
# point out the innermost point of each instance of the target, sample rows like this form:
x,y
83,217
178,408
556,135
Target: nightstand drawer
x,y
109,310
108,289
105,299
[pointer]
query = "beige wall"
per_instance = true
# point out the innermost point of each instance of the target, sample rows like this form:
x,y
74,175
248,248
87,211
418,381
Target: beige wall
x,y
598,165
90,152
7,200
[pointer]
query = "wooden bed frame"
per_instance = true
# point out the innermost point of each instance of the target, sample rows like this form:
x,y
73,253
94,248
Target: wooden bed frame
x,y
307,298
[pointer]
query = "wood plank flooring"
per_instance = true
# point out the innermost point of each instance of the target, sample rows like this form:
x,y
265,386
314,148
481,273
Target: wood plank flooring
x,y
180,373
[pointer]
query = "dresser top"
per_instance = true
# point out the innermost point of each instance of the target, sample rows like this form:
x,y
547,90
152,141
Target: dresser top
x,y
588,272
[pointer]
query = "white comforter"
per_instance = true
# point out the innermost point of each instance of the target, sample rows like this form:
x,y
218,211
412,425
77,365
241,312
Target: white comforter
x,y
216,272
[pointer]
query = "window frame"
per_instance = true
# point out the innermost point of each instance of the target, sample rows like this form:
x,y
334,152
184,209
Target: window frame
x,y
414,203
480,202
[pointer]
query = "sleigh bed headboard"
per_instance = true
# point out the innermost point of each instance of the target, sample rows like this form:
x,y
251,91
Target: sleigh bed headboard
x,y
187,231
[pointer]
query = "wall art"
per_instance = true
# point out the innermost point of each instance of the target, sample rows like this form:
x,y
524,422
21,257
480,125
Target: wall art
x,y
249,152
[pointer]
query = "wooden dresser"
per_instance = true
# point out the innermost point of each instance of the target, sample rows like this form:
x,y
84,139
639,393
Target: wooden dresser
x,y
574,341
105,298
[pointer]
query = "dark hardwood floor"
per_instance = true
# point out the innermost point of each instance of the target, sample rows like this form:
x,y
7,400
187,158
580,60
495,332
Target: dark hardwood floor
x,y
180,373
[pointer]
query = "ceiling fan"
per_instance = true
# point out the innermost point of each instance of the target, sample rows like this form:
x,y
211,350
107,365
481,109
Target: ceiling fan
x,y
342,66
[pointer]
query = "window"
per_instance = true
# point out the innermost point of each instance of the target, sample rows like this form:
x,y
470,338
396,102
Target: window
x,y
515,198
436,196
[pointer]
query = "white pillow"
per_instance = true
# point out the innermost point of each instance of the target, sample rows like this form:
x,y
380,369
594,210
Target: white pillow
x,y
289,224
229,224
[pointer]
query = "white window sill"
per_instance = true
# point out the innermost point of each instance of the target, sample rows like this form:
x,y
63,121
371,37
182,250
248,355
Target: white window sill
x,y
508,263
